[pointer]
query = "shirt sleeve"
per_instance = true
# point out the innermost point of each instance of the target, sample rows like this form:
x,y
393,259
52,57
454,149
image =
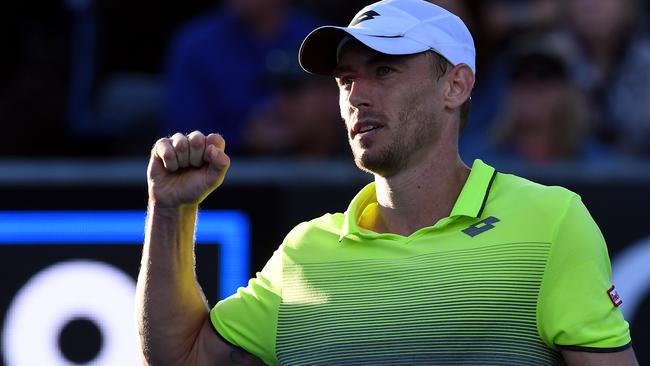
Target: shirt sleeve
x,y
248,318
575,310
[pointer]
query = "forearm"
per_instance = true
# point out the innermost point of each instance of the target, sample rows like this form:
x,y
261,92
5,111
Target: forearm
x,y
171,307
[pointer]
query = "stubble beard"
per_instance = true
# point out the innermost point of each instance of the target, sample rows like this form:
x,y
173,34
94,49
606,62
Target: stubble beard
x,y
414,130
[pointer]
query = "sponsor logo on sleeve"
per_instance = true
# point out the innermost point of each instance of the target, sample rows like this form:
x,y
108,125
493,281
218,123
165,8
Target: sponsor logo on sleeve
x,y
614,296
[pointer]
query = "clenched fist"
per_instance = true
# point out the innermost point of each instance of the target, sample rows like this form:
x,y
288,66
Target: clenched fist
x,y
184,169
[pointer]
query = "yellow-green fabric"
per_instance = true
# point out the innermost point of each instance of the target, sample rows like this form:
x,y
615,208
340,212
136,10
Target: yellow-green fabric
x,y
574,307
517,270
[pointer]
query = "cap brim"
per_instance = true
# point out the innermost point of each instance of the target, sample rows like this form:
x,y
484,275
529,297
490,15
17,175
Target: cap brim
x,y
317,53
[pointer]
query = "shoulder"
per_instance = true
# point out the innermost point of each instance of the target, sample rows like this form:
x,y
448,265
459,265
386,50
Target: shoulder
x,y
317,232
532,211
518,191
549,213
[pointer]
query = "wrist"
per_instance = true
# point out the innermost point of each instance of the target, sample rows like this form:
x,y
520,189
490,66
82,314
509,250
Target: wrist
x,y
158,209
171,226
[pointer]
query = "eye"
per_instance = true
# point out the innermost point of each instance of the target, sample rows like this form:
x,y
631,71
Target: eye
x,y
384,70
345,81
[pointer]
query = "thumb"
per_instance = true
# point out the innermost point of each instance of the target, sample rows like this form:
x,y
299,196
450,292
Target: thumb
x,y
218,164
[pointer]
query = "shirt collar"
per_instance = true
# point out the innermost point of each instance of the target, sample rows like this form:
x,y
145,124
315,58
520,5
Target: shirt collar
x,y
471,201
475,192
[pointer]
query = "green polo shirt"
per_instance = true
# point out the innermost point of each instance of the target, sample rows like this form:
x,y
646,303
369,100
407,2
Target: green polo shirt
x,y
517,271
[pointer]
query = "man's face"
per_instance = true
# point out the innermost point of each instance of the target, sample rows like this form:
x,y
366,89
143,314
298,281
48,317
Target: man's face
x,y
390,105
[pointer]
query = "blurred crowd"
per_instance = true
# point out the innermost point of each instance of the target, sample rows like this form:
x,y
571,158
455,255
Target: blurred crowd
x,y
557,80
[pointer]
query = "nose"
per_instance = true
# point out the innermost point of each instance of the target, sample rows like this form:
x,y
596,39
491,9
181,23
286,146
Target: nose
x,y
359,95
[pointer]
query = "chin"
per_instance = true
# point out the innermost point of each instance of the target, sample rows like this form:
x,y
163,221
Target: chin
x,y
382,163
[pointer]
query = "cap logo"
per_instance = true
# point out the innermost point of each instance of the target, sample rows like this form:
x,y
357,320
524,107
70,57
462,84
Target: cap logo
x,y
370,14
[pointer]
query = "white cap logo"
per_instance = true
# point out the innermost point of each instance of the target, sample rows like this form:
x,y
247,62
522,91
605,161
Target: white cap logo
x,y
370,14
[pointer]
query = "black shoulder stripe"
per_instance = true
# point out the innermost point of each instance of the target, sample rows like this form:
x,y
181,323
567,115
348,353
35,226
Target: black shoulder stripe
x,y
487,193
595,349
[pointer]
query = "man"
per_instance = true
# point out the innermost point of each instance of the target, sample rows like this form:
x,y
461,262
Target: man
x,y
432,264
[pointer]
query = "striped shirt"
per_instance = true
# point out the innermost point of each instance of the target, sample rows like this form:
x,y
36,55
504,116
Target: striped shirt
x,y
515,272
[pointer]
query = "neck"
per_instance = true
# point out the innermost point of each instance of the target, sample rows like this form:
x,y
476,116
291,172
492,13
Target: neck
x,y
422,194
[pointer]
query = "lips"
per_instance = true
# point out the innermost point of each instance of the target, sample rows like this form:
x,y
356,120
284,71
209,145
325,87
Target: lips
x,y
365,127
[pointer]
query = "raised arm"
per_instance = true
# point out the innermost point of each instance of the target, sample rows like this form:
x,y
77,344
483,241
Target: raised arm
x,y
172,313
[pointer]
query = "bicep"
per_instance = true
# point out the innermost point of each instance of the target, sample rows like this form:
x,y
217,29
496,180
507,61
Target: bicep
x,y
622,358
210,349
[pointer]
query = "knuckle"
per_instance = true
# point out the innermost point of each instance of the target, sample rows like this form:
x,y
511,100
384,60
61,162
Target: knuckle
x,y
195,133
180,144
159,146
168,154
181,147
196,142
160,142
216,138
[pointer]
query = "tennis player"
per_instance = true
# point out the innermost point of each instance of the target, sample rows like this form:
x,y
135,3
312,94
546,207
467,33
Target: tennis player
x,y
433,263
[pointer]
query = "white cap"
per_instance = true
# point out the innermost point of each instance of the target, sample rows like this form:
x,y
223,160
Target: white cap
x,y
395,27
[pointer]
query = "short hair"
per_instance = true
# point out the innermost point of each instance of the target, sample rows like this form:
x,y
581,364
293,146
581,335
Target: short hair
x,y
440,67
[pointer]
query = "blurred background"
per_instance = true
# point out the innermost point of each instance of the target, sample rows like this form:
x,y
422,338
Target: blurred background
x,y
87,86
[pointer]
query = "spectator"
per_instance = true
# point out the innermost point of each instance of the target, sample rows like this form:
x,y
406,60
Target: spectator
x,y
216,62
545,116
496,22
613,71
302,118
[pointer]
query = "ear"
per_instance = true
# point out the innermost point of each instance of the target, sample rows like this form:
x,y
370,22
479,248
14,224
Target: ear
x,y
460,84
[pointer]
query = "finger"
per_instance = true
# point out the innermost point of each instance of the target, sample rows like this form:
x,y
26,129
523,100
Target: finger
x,y
182,148
197,148
164,151
218,165
213,139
